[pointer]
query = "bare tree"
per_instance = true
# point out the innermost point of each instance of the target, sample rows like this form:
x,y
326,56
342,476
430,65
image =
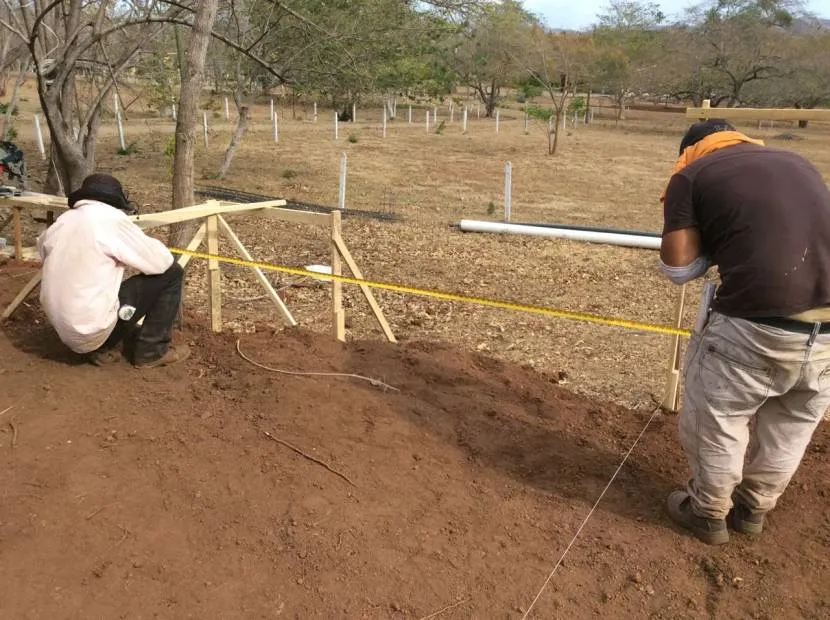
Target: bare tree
x,y
558,62
70,38
486,51
191,90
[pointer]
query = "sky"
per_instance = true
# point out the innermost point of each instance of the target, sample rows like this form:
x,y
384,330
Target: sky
x,y
579,14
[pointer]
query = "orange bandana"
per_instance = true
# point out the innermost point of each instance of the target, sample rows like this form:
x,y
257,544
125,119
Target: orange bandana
x,y
710,144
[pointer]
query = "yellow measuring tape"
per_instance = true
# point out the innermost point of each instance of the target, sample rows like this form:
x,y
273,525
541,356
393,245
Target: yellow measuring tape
x,y
481,301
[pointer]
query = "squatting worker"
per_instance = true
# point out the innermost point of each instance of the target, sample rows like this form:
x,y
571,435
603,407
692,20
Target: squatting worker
x,y
757,374
84,254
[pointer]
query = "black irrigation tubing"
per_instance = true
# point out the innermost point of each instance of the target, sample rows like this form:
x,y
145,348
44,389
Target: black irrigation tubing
x,y
224,193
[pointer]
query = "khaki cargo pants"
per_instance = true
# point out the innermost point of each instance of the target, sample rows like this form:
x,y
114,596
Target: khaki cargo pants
x,y
749,386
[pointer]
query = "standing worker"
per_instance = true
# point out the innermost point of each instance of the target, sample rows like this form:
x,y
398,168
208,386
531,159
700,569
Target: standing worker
x,y
84,254
757,374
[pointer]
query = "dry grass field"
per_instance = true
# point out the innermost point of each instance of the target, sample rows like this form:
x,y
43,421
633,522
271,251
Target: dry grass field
x,y
607,174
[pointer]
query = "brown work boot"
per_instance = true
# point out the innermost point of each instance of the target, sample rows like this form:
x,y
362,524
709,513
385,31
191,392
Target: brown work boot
x,y
710,531
174,355
743,520
104,358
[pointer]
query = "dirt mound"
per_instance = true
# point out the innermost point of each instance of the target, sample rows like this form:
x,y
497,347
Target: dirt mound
x,y
162,493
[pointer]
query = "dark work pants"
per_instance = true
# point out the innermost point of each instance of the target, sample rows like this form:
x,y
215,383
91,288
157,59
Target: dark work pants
x,y
157,299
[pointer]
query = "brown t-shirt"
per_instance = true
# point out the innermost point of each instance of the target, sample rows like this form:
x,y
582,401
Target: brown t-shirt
x,y
764,220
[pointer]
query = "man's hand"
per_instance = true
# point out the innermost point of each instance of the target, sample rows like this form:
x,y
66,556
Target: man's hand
x,y
680,247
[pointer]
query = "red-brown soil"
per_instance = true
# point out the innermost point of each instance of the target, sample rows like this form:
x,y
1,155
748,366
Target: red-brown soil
x,y
158,494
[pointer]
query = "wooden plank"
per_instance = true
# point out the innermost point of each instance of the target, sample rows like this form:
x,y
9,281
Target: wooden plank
x,y
214,274
193,245
295,216
34,200
367,291
672,393
18,233
29,253
758,114
264,282
338,314
212,207
22,295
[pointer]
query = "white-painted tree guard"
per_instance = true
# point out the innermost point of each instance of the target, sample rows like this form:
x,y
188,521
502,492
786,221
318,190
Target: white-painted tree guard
x,y
623,239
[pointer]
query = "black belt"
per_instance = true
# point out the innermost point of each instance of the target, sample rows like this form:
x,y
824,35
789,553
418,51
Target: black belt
x,y
792,325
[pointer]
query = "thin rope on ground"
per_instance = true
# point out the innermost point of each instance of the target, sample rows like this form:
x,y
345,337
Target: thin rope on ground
x,y
445,609
9,408
375,382
591,512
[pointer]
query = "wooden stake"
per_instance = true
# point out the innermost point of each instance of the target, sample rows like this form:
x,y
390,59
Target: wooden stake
x,y
214,274
193,245
18,233
671,397
338,314
22,295
367,291
226,230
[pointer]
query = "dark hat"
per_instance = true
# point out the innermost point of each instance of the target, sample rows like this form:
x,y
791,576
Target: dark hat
x,y
701,129
103,188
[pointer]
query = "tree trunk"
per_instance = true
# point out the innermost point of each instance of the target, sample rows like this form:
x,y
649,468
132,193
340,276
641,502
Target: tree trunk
x,y
66,171
238,132
187,117
492,100
588,108
557,127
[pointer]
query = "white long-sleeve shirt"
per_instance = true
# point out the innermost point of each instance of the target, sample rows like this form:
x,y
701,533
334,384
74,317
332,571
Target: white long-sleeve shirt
x,y
84,254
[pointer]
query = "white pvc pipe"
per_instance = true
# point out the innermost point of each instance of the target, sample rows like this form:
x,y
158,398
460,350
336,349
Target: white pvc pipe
x,y
508,193
39,136
341,192
624,239
121,140
205,127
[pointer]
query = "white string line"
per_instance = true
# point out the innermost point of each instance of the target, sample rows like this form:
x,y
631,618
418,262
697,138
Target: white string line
x,y
591,512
